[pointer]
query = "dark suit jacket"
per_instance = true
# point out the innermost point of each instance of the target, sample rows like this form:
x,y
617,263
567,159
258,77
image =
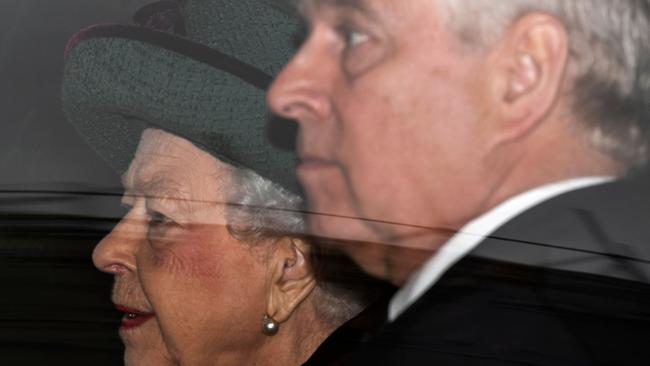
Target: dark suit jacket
x,y
564,283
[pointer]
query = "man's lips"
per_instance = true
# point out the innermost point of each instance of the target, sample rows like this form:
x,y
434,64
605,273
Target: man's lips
x,y
313,162
133,317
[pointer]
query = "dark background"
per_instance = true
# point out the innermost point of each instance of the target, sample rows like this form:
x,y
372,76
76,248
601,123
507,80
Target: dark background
x,y
57,197
38,150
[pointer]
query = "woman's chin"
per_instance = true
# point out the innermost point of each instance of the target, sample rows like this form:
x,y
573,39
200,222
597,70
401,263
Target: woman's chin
x,y
144,345
138,357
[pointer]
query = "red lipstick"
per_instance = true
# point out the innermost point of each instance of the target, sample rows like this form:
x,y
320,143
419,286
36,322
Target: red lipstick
x,y
133,317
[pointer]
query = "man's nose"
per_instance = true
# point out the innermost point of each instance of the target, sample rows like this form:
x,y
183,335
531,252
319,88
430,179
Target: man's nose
x,y
303,89
115,254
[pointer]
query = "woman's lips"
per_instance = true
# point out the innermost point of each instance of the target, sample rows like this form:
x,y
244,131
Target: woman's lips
x,y
133,317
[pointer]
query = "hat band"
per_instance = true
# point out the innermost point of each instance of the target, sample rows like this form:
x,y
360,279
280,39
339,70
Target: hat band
x,y
183,46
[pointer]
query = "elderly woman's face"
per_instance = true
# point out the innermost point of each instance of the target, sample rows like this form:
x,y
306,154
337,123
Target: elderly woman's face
x,y
178,271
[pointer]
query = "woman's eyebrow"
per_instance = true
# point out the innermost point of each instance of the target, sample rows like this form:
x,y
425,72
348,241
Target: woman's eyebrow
x,y
166,189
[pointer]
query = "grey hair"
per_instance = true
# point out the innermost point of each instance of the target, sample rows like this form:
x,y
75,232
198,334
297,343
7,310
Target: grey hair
x,y
259,210
609,52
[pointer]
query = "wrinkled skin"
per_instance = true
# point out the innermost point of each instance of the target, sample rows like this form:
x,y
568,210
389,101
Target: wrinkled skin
x,y
173,257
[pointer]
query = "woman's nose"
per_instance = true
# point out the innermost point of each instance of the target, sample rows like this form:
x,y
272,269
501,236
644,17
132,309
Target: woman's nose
x,y
115,254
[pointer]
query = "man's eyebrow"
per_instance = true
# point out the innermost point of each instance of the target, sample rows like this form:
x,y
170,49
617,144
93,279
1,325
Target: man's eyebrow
x,y
307,6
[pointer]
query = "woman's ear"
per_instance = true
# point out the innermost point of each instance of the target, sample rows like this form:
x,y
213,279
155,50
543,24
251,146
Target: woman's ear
x,y
292,277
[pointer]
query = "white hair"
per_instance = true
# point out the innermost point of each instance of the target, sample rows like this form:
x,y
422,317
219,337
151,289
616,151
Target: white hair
x,y
260,210
609,51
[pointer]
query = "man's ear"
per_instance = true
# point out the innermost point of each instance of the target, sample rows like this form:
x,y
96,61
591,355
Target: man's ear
x,y
292,277
527,72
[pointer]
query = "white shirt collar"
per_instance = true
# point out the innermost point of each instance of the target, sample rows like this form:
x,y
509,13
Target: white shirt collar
x,y
470,235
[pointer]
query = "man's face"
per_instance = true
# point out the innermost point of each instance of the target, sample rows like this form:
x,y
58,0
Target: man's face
x,y
389,105
178,272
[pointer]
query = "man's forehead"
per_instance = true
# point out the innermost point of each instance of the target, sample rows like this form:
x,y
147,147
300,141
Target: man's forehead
x,y
378,10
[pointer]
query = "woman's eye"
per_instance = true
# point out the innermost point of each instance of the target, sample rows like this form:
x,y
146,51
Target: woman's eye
x,y
159,228
158,219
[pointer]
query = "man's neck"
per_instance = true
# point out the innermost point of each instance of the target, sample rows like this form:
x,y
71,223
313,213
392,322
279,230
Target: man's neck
x,y
544,160
471,235
409,255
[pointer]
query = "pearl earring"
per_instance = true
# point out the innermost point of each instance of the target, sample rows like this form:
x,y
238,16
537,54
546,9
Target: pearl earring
x,y
269,326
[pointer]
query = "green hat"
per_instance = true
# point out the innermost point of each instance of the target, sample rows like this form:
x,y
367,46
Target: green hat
x,y
196,68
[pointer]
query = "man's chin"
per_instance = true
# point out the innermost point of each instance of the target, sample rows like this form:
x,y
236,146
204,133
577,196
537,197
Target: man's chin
x,y
389,263
339,227
371,257
380,258
360,246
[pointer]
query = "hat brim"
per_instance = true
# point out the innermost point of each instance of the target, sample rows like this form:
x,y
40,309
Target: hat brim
x,y
120,80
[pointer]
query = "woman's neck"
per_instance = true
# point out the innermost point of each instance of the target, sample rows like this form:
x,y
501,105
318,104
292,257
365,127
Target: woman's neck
x,y
296,340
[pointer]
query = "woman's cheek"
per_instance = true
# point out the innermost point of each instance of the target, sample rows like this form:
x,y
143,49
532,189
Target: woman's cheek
x,y
166,261
188,254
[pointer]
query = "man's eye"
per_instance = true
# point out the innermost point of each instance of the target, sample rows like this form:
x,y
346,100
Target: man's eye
x,y
351,36
361,50
354,38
